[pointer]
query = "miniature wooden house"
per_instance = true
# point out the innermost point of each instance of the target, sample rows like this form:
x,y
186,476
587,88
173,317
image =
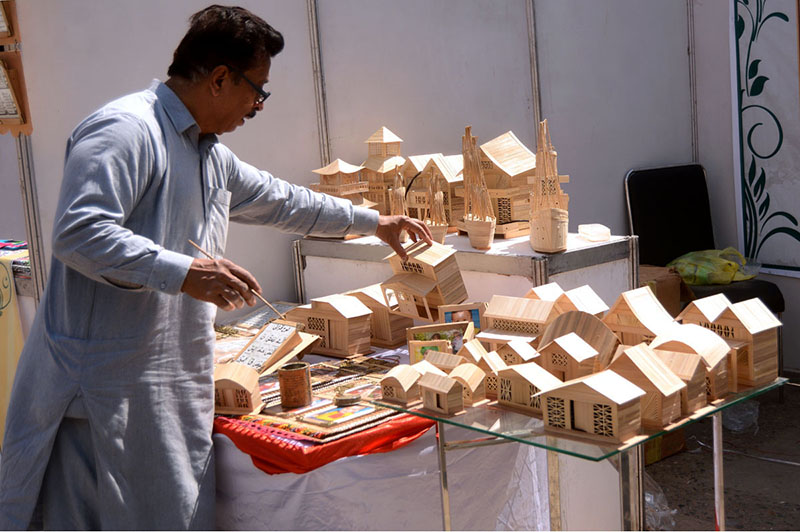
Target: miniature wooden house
x,y
583,298
473,382
430,277
343,180
400,384
445,170
515,318
568,357
690,369
519,386
441,394
382,162
491,363
603,406
342,323
752,322
236,389
423,367
387,329
661,405
637,316
704,311
472,351
714,351
446,362
593,331
517,352
507,166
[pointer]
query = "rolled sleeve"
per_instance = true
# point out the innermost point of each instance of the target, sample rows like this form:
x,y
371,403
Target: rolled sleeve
x,y
365,221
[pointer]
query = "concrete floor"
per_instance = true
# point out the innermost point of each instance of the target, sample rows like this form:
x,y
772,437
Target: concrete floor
x,y
759,494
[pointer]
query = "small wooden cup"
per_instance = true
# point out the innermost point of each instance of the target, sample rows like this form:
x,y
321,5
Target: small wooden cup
x,y
294,379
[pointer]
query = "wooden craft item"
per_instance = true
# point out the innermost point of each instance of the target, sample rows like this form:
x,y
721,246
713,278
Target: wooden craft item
x,y
295,384
472,351
568,357
549,215
464,312
491,364
419,349
272,342
473,382
387,329
383,159
518,352
446,362
343,180
400,384
236,390
342,322
603,406
443,173
689,368
479,216
441,394
638,316
519,386
515,318
593,331
436,218
397,201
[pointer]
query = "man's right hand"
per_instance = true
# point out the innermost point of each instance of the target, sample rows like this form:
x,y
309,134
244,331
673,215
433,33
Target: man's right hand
x,y
220,282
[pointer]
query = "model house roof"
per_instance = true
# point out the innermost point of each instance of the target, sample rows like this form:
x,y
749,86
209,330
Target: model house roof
x,y
413,283
644,305
509,154
382,165
546,292
444,361
415,163
584,299
754,315
472,351
438,160
521,348
456,164
533,373
574,345
336,167
405,375
383,135
373,294
520,308
423,367
431,254
347,306
710,307
438,383
493,362
651,367
593,331
693,338
469,375
608,384
684,365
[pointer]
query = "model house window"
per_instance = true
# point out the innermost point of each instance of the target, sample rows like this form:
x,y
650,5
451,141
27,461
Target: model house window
x,y
556,412
602,419
388,391
516,326
535,400
708,385
504,210
242,398
491,383
412,267
559,359
505,389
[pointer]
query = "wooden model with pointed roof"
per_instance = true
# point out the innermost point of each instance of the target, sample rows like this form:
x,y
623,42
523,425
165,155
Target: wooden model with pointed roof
x,y
387,328
430,277
593,331
441,394
379,168
438,172
518,352
342,323
236,389
472,351
713,350
520,384
446,362
603,406
491,363
638,316
568,357
549,215
473,381
582,298
690,369
400,384
748,321
343,180
479,219
515,318
704,311
661,404
423,367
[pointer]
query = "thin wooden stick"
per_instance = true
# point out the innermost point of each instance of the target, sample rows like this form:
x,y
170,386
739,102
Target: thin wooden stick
x,y
276,311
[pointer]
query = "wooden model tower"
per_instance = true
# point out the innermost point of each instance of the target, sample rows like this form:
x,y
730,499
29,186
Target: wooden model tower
x,y
430,277
549,204
479,217
603,406
342,180
387,328
342,323
382,160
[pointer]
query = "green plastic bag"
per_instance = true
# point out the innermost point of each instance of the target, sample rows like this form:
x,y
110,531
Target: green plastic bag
x,y
712,266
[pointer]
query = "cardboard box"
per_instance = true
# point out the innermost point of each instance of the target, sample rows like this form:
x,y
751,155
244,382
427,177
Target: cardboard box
x,y
665,284
664,446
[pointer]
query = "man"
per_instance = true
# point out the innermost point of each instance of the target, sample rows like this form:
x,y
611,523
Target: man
x,y
112,407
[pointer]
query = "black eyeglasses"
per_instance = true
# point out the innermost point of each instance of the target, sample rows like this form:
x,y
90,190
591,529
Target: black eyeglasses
x,y
261,94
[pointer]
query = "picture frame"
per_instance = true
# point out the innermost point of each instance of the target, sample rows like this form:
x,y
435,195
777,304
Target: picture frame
x,y
418,348
464,312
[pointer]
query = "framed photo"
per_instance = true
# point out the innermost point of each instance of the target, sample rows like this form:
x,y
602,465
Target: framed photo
x,y
418,348
456,333
464,312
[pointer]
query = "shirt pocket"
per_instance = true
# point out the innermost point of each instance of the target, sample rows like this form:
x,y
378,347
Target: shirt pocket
x,y
219,201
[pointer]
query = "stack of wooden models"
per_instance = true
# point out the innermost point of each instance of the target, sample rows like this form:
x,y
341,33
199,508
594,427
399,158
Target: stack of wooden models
x,y
382,160
479,218
397,200
436,218
343,180
549,215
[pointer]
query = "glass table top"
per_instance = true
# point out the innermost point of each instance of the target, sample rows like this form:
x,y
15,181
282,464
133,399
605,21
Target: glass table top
x,y
495,422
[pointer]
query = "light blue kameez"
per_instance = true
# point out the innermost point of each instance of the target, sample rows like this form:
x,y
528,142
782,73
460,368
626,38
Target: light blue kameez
x,y
115,342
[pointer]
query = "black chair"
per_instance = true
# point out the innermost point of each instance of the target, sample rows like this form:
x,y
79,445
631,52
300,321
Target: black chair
x,y
668,209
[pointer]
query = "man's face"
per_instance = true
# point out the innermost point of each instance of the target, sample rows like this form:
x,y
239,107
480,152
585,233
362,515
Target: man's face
x,y
240,97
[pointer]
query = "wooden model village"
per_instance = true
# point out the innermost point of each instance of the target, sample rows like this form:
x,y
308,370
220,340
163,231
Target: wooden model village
x,y
587,369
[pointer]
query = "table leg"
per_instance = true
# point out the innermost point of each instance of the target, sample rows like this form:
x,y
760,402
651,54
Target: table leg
x,y
631,472
440,446
719,488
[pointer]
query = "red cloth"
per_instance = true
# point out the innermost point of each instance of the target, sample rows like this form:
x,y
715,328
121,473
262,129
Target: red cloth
x,y
274,454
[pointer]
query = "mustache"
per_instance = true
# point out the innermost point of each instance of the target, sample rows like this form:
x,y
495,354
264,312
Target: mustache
x,y
251,114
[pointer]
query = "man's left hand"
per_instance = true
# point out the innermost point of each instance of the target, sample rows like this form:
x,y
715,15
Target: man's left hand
x,y
390,227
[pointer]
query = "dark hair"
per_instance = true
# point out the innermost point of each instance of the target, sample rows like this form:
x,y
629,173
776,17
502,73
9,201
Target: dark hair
x,y
222,35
